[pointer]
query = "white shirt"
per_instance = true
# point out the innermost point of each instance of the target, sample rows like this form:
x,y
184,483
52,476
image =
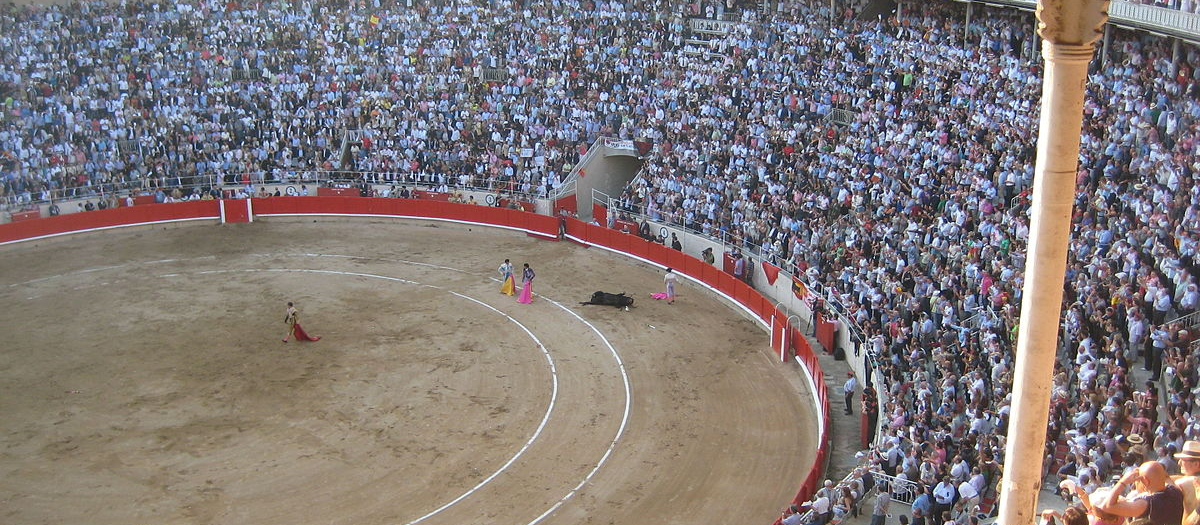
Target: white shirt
x,y
1162,301
944,493
1190,299
1137,331
850,385
966,490
960,470
820,505
978,481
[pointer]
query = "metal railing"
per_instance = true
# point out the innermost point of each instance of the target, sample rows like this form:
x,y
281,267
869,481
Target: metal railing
x,y
494,74
1165,19
982,315
1172,22
1189,321
621,144
711,26
810,516
903,490
842,117
604,200
565,189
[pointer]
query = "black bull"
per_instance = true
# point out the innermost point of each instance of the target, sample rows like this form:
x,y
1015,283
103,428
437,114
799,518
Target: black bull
x,y
619,300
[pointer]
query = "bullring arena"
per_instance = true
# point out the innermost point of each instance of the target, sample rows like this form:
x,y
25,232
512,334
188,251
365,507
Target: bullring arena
x,y
145,382
977,211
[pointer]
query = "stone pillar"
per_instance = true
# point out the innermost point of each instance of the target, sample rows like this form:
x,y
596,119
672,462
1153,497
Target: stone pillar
x,y
967,25
1104,49
1176,51
1069,29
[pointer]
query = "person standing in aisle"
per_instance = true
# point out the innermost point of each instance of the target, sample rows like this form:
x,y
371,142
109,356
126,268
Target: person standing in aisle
x,y
848,389
879,513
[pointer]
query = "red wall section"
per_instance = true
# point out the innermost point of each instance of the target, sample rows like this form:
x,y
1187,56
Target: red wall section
x,y
625,226
532,223
566,203
91,220
599,214
26,215
825,332
520,205
431,195
236,211
338,192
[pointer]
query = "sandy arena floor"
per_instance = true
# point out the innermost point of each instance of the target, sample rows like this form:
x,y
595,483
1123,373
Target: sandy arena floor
x,y
144,381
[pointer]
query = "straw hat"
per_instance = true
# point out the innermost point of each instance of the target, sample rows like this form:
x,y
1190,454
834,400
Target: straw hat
x,y
1191,450
1135,439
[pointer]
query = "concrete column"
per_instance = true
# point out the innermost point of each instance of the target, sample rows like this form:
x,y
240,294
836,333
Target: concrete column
x,y
1070,29
1037,38
1107,42
1176,51
967,25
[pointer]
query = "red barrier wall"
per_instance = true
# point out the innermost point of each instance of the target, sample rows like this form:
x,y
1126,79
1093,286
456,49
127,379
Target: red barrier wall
x,y
599,213
743,294
432,195
531,223
236,211
110,218
338,192
25,215
566,203
626,226
521,205
825,332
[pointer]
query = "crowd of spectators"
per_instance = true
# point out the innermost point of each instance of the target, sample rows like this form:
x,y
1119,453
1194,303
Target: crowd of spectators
x,y
887,160
912,216
501,95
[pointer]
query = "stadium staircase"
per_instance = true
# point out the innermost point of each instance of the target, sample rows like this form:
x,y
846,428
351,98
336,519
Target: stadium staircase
x,y
343,157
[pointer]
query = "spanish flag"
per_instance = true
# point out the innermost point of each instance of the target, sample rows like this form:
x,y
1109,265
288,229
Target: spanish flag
x,y
798,288
373,20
